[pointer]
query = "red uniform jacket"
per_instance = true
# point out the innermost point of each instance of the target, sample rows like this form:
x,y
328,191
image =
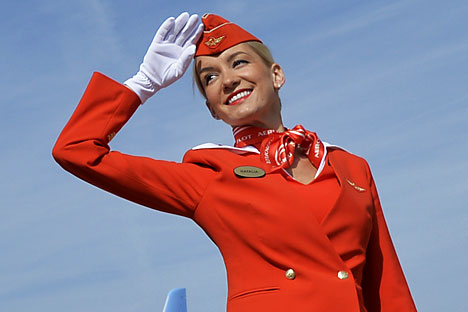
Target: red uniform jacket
x,y
278,257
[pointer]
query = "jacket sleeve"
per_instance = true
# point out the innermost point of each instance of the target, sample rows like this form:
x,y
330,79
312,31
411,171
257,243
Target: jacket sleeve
x,y
384,285
82,149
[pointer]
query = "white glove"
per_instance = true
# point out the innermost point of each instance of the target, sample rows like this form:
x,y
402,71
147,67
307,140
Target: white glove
x,y
168,56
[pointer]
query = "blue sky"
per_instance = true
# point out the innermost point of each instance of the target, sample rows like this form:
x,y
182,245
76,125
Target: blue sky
x,y
385,79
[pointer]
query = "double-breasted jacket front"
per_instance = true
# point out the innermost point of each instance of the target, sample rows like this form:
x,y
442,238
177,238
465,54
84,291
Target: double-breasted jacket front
x,y
278,255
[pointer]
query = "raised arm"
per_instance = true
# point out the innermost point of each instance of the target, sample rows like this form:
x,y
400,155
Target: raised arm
x,y
83,146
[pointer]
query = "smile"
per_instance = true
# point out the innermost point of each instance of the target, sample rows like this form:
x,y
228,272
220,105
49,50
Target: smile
x,y
238,97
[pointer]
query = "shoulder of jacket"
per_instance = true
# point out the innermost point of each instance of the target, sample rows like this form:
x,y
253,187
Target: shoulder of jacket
x,y
237,150
348,161
341,151
215,155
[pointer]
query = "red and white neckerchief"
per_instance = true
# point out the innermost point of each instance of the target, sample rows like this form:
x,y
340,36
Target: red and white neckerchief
x,y
277,148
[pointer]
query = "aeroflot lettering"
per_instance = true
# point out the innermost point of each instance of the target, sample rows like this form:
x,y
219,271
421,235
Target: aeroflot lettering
x,y
265,132
317,149
265,153
245,137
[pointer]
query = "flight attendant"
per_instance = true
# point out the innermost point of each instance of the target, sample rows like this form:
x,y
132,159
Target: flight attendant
x,y
297,221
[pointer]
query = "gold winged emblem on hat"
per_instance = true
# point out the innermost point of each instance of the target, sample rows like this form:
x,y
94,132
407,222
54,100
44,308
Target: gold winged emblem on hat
x,y
213,42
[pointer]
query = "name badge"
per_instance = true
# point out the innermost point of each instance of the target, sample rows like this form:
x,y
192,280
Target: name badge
x,y
249,172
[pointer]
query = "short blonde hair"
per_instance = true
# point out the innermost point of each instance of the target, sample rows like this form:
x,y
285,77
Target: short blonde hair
x,y
259,48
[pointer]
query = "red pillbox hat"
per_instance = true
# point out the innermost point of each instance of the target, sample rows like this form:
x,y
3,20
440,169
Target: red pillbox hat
x,y
220,34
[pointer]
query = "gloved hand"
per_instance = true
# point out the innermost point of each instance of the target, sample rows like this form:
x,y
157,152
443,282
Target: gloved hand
x,y
168,56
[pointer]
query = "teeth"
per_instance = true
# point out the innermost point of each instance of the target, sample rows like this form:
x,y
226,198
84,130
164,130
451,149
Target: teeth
x,y
239,95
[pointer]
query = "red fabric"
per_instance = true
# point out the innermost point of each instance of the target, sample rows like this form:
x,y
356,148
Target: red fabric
x,y
262,226
277,148
220,34
324,190
325,187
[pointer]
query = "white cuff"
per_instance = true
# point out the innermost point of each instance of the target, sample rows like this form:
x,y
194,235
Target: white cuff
x,y
142,86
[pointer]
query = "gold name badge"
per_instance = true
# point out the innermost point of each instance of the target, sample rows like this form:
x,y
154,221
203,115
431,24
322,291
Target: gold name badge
x,y
249,172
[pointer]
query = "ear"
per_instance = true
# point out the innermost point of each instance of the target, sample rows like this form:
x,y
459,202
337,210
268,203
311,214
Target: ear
x,y
212,111
277,75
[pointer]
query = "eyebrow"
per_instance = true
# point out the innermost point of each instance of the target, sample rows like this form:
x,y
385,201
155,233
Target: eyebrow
x,y
205,69
234,55
210,68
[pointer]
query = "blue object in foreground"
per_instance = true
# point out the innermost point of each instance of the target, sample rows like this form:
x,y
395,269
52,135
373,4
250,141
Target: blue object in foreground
x,y
176,301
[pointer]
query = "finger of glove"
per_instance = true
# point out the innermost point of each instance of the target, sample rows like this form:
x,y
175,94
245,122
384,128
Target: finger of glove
x,y
172,71
195,36
186,57
157,64
179,24
185,33
163,31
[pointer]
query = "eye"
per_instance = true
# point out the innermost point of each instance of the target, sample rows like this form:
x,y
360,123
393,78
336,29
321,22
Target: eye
x,y
239,62
208,78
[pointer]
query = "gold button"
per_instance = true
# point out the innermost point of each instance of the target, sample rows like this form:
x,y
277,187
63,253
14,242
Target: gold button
x,y
290,274
343,275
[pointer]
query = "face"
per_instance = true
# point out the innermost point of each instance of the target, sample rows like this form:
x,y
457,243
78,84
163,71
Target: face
x,y
240,88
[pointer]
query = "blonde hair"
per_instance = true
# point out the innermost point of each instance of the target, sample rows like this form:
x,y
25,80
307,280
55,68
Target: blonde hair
x,y
259,48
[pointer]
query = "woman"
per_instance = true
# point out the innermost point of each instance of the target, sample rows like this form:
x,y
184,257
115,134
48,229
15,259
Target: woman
x,y
298,221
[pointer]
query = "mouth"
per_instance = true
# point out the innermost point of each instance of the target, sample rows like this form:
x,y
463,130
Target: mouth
x,y
238,96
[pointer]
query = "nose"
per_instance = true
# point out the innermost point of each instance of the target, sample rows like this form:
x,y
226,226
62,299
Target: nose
x,y
230,81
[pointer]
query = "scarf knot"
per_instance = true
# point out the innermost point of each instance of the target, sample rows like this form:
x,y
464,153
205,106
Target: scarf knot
x,y
277,148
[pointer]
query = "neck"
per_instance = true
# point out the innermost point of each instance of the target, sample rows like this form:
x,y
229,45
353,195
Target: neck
x,y
253,135
278,128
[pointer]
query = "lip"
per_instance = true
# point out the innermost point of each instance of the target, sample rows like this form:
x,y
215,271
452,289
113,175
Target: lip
x,y
236,93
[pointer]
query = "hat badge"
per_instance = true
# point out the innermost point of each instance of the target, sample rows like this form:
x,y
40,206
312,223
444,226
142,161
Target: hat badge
x,y
213,42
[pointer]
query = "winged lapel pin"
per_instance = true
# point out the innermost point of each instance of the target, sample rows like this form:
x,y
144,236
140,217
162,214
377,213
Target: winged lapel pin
x,y
358,188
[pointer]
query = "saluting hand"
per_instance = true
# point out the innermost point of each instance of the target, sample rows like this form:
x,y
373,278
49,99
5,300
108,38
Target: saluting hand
x,y
168,56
